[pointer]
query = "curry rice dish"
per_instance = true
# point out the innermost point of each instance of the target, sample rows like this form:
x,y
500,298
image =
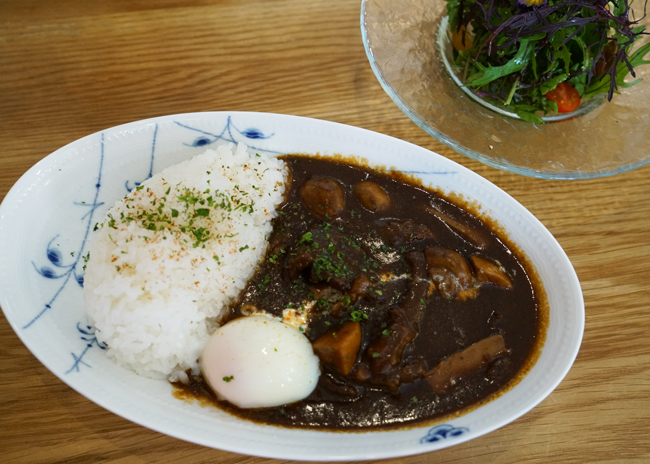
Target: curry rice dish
x,y
415,308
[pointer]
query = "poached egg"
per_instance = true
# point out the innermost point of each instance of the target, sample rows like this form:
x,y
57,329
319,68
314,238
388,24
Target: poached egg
x,y
258,361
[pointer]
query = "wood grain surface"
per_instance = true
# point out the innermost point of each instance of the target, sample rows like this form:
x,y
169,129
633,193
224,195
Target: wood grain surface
x,y
70,68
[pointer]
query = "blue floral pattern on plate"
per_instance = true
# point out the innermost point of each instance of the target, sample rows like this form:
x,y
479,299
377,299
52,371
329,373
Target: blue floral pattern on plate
x,y
226,135
55,257
443,432
153,149
88,336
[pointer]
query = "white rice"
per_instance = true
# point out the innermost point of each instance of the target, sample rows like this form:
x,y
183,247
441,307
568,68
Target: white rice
x,y
155,296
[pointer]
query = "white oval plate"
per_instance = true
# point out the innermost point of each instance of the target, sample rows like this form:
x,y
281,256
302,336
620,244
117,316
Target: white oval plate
x,y
46,217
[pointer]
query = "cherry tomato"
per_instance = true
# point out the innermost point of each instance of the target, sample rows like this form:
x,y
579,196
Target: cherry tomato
x,y
457,39
566,97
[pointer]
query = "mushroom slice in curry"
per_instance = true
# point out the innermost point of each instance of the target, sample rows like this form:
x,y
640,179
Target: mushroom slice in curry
x,y
472,235
450,370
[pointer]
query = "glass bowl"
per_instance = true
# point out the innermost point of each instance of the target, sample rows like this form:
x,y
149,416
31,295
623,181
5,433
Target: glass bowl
x,y
405,49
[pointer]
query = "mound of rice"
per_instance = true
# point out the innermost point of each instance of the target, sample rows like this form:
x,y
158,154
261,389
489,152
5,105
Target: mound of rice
x,y
171,255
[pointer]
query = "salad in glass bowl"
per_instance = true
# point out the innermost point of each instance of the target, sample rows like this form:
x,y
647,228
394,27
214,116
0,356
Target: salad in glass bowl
x,y
543,57
445,89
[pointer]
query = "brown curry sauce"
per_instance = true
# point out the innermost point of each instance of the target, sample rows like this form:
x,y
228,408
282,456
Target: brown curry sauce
x,y
381,271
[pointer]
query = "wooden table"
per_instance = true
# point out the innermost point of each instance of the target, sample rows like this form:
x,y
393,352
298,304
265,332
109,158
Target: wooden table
x,y
70,68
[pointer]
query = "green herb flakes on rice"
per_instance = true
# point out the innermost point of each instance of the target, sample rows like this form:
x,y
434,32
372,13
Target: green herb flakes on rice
x,y
171,255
